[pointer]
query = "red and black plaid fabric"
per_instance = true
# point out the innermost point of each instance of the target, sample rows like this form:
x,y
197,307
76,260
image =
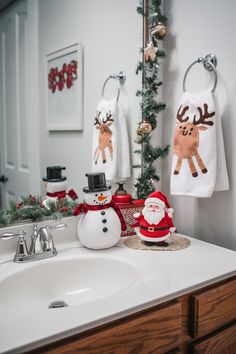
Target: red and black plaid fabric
x,y
118,212
128,212
72,194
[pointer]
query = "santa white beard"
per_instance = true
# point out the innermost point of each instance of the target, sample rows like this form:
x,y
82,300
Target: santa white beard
x,y
153,217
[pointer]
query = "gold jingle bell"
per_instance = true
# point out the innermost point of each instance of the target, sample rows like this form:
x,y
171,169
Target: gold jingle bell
x,y
144,128
159,31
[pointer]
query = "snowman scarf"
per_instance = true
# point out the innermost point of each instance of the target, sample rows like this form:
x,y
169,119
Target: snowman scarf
x,y
83,208
198,165
62,194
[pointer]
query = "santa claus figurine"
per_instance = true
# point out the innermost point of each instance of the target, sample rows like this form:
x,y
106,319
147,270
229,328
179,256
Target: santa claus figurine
x,y
154,225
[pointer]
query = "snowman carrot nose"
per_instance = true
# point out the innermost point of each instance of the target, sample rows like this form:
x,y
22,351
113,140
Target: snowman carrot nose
x,y
101,198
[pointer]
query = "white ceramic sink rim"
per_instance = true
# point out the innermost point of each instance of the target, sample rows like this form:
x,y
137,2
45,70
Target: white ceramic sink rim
x,y
74,279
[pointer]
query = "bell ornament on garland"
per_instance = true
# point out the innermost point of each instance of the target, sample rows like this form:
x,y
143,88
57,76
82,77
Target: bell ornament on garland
x,y
159,31
56,186
154,224
144,128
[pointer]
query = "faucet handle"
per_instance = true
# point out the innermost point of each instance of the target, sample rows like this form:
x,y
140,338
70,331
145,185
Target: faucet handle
x,y
21,248
7,236
58,227
10,235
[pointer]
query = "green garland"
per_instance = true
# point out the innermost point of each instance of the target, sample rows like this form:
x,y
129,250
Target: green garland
x,y
32,208
150,106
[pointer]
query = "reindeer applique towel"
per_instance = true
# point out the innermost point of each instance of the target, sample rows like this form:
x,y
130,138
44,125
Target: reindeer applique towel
x,y
198,165
110,152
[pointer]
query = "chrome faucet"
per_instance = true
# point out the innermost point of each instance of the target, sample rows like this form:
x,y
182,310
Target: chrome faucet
x,y
42,244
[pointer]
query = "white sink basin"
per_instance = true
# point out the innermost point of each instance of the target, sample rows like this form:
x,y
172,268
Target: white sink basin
x,y
75,281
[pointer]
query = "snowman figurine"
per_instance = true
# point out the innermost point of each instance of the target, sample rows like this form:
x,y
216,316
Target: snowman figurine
x,y
100,227
56,186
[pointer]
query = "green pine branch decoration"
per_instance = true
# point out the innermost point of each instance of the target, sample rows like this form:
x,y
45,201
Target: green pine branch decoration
x,y
150,105
31,208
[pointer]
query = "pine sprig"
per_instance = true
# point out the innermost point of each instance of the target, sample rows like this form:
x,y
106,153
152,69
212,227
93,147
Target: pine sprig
x,y
161,53
140,67
150,105
140,10
32,208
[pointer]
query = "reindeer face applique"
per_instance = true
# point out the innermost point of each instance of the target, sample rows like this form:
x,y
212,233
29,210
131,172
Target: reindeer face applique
x,y
186,138
104,137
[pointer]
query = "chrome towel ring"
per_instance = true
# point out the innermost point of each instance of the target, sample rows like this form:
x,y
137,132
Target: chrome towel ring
x,y
120,80
209,63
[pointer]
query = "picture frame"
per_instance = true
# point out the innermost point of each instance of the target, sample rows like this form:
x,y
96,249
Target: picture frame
x,y
64,83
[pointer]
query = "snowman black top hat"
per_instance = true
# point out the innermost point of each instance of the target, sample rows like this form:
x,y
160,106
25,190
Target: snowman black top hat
x,y
96,183
54,174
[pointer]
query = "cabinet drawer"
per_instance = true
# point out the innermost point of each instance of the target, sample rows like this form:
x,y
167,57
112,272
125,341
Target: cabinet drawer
x,y
213,308
221,342
155,332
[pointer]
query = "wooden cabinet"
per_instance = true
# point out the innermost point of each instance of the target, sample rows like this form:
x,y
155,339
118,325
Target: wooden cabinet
x,y
222,342
199,322
156,331
213,308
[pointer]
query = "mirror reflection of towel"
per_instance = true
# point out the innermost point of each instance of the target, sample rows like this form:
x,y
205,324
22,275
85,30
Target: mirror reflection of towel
x,y
110,152
198,165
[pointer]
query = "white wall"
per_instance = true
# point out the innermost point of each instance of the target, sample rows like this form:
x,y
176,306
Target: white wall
x,y
111,35
198,28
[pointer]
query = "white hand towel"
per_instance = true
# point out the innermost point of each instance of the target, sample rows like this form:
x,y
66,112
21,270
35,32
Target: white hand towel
x,y
198,165
110,142
222,179
123,161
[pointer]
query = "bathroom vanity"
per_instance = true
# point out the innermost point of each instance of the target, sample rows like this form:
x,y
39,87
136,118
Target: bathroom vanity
x,y
127,301
198,322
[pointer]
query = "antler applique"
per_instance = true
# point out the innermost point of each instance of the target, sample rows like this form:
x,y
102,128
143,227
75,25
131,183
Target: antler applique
x,y
203,116
180,115
108,118
97,119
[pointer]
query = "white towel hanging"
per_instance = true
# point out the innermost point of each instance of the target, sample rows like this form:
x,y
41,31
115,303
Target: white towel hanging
x,y
110,141
198,165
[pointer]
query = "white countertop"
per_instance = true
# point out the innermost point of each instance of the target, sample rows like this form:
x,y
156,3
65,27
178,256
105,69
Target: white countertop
x,y
161,276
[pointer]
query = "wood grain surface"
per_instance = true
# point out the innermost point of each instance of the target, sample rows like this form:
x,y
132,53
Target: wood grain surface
x,y
155,332
213,308
224,342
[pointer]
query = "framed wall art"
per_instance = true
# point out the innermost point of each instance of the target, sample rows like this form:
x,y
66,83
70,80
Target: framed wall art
x,y
64,88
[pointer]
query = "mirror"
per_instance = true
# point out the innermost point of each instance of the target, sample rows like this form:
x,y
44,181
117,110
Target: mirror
x,y
111,34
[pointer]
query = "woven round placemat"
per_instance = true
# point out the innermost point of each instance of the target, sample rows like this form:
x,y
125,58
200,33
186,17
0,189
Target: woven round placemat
x,y
176,242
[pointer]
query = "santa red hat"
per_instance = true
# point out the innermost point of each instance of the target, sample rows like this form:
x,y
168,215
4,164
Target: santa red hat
x,y
159,198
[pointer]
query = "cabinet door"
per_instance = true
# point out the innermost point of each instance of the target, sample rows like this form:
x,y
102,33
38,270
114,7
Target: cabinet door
x,y
224,342
213,308
152,332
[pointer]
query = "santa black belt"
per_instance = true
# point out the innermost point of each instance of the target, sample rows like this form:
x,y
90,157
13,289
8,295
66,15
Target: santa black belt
x,y
152,229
